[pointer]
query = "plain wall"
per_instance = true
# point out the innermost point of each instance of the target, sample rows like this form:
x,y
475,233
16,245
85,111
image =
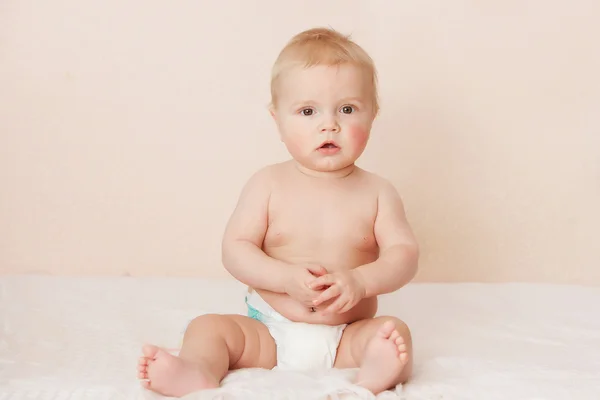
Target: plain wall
x,y
127,130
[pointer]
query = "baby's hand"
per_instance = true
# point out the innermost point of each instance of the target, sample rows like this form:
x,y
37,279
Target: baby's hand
x,y
346,285
299,276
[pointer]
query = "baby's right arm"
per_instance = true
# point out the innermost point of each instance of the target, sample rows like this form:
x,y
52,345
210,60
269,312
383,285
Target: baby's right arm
x,y
242,252
242,241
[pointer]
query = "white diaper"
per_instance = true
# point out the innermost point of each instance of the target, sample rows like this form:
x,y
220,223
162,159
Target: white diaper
x,y
300,346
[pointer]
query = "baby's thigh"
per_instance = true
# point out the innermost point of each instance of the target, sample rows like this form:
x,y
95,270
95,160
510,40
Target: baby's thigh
x,y
258,349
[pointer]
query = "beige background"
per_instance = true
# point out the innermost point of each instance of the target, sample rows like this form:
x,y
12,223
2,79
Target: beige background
x,y
127,130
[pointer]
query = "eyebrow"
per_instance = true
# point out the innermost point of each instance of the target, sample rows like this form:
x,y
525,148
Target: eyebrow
x,y
302,103
342,101
352,99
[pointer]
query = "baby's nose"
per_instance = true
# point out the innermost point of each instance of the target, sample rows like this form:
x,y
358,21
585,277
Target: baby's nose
x,y
330,126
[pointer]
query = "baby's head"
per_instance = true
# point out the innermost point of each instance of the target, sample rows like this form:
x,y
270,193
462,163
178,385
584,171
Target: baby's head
x,y
324,99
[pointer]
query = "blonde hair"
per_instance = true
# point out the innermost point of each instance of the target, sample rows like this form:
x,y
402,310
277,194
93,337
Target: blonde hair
x,y
322,46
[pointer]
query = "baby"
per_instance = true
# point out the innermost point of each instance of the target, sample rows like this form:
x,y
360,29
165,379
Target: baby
x,y
315,238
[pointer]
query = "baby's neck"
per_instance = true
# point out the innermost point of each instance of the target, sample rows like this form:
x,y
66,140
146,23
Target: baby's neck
x,y
340,173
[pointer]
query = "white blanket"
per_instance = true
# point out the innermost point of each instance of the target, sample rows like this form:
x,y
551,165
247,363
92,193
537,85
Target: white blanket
x,y
79,338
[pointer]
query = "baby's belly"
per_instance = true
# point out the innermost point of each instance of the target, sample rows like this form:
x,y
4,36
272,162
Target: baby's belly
x,y
334,257
294,311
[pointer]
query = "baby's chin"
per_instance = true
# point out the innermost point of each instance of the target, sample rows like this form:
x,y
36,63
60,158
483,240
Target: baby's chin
x,y
333,168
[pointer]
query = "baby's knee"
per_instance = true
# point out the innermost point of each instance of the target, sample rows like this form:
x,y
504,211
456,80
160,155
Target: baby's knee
x,y
208,321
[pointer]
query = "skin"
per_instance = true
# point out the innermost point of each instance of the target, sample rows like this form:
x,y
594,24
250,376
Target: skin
x,y
317,237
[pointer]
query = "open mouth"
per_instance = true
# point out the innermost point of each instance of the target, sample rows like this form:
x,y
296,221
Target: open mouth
x,y
328,145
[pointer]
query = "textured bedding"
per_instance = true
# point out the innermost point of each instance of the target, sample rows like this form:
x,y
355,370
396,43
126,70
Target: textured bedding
x,y
79,338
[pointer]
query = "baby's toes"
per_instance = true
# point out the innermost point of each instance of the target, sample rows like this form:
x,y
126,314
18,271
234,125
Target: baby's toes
x,y
399,341
402,348
404,357
395,335
400,344
143,375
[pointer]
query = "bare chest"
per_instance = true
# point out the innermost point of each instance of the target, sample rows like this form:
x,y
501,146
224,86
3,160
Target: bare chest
x,y
322,221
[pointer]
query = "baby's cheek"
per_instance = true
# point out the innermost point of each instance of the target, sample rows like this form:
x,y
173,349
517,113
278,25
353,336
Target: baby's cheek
x,y
359,136
294,147
296,144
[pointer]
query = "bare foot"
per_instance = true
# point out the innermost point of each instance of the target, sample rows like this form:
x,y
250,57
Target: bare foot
x,y
383,361
170,375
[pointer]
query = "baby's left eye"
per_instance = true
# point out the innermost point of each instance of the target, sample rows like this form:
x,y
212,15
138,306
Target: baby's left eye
x,y
347,109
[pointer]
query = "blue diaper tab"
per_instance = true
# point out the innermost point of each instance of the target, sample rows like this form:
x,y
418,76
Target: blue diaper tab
x,y
254,313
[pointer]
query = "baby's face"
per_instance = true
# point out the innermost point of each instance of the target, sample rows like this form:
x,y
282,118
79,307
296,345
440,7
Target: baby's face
x,y
324,115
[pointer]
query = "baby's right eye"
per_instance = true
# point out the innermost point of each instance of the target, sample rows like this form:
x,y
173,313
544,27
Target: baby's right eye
x,y
307,111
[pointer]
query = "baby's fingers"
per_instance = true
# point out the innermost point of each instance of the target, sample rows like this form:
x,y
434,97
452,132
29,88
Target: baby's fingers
x,y
336,306
347,307
323,280
328,294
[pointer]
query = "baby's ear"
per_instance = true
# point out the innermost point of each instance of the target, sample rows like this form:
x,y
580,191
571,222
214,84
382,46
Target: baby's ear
x,y
272,112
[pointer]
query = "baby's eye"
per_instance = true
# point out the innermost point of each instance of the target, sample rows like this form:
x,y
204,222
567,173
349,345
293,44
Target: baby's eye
x,y
347,109
307,111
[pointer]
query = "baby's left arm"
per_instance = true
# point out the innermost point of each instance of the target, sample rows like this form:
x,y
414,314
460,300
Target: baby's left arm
x,y
395,267
399,252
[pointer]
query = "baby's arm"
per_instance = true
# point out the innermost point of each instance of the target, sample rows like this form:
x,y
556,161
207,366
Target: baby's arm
x,y
399,251
395,267
242,253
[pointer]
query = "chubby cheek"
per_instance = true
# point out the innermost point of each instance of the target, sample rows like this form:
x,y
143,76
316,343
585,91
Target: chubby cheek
x,y
358,136
297,143
294,146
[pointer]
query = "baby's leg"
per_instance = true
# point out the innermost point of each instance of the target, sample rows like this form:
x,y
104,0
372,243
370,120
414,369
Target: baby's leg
x,y
212,345
382,348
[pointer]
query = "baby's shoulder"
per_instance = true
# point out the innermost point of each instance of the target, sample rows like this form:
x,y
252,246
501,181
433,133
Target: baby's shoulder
x,y
376,182
266,176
